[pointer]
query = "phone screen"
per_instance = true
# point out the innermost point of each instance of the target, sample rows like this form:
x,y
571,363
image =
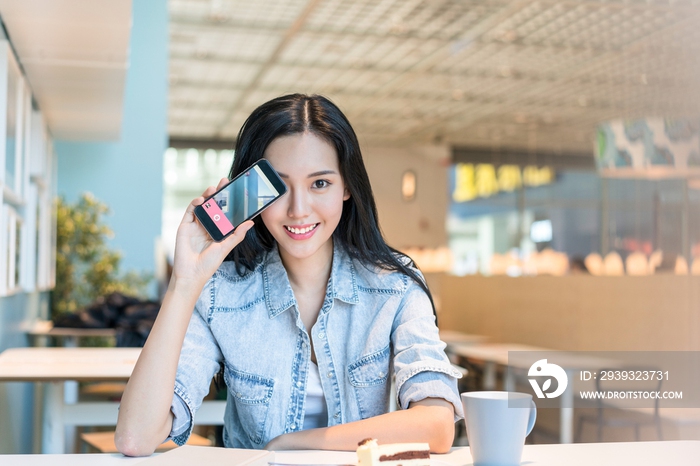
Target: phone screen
x,y
240,199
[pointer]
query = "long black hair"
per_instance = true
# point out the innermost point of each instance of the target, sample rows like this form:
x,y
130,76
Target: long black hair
x,y
358,230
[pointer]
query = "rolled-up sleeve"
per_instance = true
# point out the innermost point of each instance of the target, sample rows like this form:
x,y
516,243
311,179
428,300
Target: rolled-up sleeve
x,y
200,360
181,417
421,366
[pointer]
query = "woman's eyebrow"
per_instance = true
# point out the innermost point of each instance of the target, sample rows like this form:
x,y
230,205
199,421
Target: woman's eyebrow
x,y
321,173
312,175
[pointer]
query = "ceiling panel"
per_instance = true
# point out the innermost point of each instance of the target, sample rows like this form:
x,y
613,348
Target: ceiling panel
x,y
275,13
75,56
516,73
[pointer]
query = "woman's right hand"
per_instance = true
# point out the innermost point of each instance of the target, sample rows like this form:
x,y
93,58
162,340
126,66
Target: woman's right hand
x,y
145,418
197,255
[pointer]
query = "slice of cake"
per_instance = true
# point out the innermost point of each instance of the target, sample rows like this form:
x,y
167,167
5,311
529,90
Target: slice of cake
x,y
369,453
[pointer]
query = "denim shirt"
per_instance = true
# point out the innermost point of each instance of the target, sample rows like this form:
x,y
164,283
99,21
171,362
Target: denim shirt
x,y
372,324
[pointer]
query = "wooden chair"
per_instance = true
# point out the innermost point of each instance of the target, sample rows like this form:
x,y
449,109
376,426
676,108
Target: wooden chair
x,y
103,390
612,264
594,264
681,267
103,442
655,260
637,264
695,270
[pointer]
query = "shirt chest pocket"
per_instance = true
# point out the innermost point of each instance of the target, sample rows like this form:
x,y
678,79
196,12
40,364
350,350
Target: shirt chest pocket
x,y
251,395
369,377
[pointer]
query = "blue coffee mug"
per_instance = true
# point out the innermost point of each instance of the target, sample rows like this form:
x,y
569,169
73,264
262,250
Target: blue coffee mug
x,y
497,424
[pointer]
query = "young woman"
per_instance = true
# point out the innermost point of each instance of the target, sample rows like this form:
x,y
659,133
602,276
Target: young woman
x,y
309,315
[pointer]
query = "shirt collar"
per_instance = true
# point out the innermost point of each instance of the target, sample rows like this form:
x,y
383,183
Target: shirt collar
x,y
343,282
279,296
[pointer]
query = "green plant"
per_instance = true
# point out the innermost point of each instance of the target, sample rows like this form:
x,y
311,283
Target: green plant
x,y
85,266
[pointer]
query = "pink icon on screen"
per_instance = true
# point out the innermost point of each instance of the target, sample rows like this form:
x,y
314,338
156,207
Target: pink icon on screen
x,y
221,221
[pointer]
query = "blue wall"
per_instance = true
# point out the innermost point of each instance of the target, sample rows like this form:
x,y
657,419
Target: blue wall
x,y
17,398
128,174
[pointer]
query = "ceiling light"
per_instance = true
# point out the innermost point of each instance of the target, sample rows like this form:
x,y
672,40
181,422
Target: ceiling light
x,y
408,185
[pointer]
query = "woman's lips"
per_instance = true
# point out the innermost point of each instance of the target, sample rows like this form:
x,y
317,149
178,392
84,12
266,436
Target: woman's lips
x,y
301,231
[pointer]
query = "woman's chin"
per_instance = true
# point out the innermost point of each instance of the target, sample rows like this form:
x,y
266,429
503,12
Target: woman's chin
x,y
301,250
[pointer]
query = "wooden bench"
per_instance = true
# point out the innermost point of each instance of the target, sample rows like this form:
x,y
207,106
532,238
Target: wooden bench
x,y
103,390
103,442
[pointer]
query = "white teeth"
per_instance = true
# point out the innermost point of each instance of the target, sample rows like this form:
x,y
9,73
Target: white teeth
x,y
301,231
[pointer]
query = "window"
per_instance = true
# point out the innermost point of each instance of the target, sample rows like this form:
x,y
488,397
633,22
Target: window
x,y
27,230
187,173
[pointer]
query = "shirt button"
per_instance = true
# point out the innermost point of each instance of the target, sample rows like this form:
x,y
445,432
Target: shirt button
x,y
336,415
239,395
330,374
381,374
303,345
293,426
298,384
322,335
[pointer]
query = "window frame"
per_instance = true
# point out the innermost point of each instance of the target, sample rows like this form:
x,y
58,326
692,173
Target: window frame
x,y
27,219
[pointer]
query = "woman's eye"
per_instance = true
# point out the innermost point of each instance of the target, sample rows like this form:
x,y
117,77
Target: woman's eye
x,y
321,184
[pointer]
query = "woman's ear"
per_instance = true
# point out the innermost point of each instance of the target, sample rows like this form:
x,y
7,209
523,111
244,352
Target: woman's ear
x,y
346,194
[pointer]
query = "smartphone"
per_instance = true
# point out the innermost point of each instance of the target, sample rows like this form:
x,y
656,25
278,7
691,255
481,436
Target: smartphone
x,y
241,199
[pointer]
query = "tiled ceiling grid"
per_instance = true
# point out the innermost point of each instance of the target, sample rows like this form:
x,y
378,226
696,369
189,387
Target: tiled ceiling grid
x,y
520,74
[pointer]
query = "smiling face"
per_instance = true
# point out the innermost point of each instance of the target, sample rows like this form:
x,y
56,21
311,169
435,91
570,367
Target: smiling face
x,y
303,220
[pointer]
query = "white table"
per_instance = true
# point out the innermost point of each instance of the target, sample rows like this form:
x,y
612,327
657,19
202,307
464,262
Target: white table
x,y
453,337
42,333
491,356
495,355
54,366
680,453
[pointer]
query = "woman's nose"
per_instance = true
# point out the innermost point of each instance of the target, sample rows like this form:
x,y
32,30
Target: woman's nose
x,y
298,204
